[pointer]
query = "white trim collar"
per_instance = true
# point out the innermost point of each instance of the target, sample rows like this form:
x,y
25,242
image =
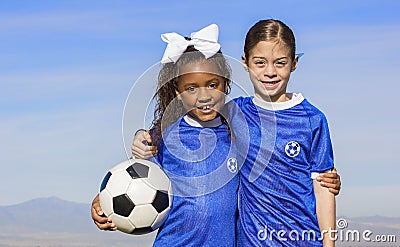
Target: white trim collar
x,y
296,99
197,123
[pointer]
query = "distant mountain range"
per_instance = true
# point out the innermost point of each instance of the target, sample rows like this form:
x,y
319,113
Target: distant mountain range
x,y
55,222
46,214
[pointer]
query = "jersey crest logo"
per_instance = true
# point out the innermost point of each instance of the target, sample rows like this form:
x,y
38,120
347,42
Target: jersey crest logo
x,y
232,165
292,149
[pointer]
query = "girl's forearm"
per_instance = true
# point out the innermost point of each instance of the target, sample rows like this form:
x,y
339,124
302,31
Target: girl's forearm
x,y
326,213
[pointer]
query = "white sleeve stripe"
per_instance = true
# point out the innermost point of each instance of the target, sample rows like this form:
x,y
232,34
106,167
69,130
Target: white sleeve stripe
x,y
314,175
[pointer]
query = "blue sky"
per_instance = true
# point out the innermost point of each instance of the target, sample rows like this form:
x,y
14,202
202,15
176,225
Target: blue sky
x,y
67,67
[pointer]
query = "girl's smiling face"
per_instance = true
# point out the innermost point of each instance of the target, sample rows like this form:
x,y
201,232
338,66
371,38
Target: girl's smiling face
x,y
201,90
269,67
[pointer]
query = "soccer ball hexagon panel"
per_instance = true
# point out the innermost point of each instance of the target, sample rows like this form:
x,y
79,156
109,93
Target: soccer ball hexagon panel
x,y
137,195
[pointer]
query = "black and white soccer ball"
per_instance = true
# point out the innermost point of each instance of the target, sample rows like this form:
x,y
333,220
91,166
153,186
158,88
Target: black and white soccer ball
x,y
136,195
292,149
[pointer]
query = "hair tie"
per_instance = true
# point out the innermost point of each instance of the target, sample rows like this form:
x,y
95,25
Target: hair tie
x,y
205,41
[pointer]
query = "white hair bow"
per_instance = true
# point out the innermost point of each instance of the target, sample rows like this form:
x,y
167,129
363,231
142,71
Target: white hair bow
x,y
205,40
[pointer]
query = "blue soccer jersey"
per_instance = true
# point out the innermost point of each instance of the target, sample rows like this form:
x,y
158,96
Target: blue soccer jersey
x,y
288,142
200,160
